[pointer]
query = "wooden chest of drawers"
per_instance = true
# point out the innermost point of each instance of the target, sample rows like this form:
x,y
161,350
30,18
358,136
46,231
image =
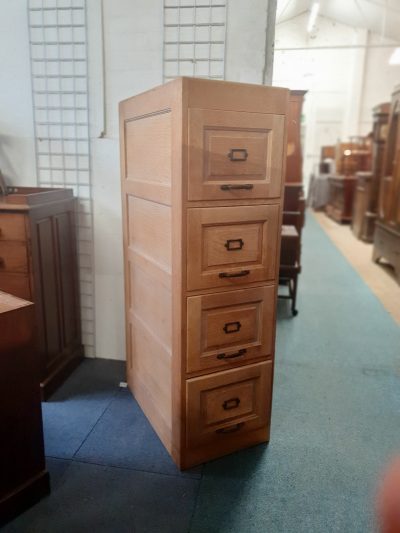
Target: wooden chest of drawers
x,y
202,164
38,263
23,479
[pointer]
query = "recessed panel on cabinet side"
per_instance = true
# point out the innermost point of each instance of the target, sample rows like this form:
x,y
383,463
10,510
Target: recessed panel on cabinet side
x,y
146,188
147,166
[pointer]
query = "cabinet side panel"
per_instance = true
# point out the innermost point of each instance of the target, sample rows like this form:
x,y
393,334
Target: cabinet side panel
x,y
146,186
51,343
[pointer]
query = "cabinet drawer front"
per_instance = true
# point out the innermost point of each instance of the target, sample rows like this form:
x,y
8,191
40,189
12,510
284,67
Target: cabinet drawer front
x,y
230,246
13,256
12,227
16,284
228,403
234,155
228,328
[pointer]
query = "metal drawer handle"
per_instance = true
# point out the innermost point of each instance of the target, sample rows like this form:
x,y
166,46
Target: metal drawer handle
x,y
232,403
234,244
231,429
239,353
238,154
232,327
234,274
245,186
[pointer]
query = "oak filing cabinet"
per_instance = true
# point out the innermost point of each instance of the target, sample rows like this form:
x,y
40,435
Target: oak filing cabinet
x,y
202,163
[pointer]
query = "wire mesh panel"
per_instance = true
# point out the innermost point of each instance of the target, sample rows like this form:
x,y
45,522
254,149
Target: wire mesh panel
x,y
194,38
58,50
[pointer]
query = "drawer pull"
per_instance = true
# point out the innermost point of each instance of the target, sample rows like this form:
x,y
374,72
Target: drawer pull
x,y
239,353
245,186
232,403
2,262
238,154
234,244
234,274
232,327
232,429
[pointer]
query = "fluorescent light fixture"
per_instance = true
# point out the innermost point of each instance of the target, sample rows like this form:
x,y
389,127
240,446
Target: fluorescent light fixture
x,y
313,16
395,57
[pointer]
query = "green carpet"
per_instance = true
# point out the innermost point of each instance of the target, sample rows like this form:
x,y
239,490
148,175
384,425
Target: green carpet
x,y
336,413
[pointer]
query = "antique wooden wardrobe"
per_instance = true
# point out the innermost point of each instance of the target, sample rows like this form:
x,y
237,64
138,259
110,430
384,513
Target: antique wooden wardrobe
x,y
202,163
38,263
293,202
367,187
387,227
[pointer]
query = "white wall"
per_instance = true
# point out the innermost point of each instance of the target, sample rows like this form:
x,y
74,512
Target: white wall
x,y
133,33
343,83
245,40
17,150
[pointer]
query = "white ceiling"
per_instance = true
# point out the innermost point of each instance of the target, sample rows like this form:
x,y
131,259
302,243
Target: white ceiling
x,y
379,16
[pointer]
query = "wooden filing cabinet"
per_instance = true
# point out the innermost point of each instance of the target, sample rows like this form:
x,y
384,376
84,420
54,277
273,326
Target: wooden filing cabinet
x,y
202,165
23,479
38,263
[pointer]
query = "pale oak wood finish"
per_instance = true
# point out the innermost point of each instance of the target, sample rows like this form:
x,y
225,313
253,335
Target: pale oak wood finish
x,y
159,214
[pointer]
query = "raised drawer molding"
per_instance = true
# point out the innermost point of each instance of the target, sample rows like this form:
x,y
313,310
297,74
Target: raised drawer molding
x,y
201,169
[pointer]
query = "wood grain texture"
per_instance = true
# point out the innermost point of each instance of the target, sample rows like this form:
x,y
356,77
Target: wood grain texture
x,y
228,148
23,478
294,155
210,229
38,247
179,143
229,328
387,234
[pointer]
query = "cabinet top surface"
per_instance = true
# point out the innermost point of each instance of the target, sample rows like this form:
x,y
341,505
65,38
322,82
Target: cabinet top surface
x,y
8,303
24,197
218,94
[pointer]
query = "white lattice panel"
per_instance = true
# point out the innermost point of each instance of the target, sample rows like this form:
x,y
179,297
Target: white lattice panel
x,y
58,48
194,38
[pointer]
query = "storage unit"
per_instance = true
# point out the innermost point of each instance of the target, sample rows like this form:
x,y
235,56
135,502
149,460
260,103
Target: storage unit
x,y
351,157
367,187
293,202
341,198
387,230
24,479
202,164
38,263
294,159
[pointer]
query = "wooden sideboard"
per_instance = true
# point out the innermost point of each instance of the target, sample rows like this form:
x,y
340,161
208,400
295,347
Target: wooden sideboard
x,y
23,476
341,197
202,165
387,230
367,189
38,263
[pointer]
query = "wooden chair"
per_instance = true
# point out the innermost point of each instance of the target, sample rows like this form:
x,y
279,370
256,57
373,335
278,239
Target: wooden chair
x,y
290,268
